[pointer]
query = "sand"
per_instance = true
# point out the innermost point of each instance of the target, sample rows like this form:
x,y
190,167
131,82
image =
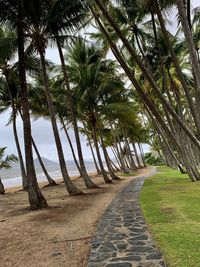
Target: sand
x,y
59,235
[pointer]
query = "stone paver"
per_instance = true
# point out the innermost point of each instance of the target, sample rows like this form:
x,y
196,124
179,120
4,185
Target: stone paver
x,y
122,238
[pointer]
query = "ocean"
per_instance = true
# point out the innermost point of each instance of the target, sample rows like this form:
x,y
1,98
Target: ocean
x,y
12,177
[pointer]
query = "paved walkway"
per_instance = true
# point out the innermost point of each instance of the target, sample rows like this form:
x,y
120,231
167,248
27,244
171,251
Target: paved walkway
x,y
122,238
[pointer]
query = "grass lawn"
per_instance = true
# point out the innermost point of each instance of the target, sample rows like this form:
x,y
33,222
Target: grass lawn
x,y
171,205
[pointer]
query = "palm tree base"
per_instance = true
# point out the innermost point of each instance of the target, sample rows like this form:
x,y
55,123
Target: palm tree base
x,y
93,186
116,178
109,182
78,193
50,185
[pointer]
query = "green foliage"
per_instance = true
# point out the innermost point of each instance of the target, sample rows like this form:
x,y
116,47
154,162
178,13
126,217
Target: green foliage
x,y
171,207
6,160
153,160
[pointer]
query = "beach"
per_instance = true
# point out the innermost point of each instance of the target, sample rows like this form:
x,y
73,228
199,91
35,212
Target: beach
x,y
59,235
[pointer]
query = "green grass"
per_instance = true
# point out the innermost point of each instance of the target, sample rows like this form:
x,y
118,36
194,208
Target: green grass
x,y
171,206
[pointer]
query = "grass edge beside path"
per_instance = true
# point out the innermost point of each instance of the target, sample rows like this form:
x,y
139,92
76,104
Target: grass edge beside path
x,y
171,207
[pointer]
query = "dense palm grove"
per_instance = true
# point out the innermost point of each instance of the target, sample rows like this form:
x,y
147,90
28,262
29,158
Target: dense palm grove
x,y
147,91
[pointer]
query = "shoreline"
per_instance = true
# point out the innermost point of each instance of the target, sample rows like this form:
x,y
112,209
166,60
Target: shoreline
x,y
42,183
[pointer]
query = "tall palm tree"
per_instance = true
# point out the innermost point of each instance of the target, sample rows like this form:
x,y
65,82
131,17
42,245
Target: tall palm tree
x,y
8,50
85,68
149,104
13,11
42,16
148,74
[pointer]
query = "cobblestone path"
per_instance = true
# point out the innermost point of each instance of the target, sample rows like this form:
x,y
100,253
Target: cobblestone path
x,y
122,238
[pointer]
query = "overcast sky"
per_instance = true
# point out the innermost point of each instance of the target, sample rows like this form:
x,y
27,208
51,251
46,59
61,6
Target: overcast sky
x,y
41,129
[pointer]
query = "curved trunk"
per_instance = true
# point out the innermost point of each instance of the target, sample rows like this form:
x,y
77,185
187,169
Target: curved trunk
x,y
118,154
36,198
105,176
21,161
95,162
186,24
145,71
136,155
130,157
49,179
71,188
115,168
2,190
142,154
146,100
178,68
87,180
123,158
109,166
71,146
116,157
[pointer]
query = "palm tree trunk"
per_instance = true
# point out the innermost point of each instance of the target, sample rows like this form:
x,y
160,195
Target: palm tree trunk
x,y
36,198
115,168
142,154
71,146
146,100
21,161
71,188
116,157
123,157
194,112
2,190
189,14
49,179
95,162
110,169
186,24
87,180
130,157
136,155
105,176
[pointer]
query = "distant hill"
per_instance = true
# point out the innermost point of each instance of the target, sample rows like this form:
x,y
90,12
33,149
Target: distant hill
x,y
15,171
46,162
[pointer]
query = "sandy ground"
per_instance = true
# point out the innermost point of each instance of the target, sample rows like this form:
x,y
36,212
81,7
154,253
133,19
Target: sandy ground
x,y
59,235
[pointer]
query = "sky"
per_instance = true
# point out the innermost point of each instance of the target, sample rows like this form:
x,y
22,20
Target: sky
x,y
41,128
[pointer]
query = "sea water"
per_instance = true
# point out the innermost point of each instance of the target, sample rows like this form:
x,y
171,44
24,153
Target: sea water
x,y
12,178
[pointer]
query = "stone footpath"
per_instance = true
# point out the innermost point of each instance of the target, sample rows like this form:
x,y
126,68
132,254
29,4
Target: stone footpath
x,y
122,238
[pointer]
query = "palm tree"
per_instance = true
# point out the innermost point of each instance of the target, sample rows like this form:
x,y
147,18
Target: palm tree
x,y
5,164
64,108
41,17
146,71
8,50
184,15
13,11
86,68
10,97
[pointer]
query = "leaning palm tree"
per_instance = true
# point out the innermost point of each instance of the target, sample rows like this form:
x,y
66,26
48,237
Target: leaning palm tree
x,y
14,13
8,49
43,22
5,163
